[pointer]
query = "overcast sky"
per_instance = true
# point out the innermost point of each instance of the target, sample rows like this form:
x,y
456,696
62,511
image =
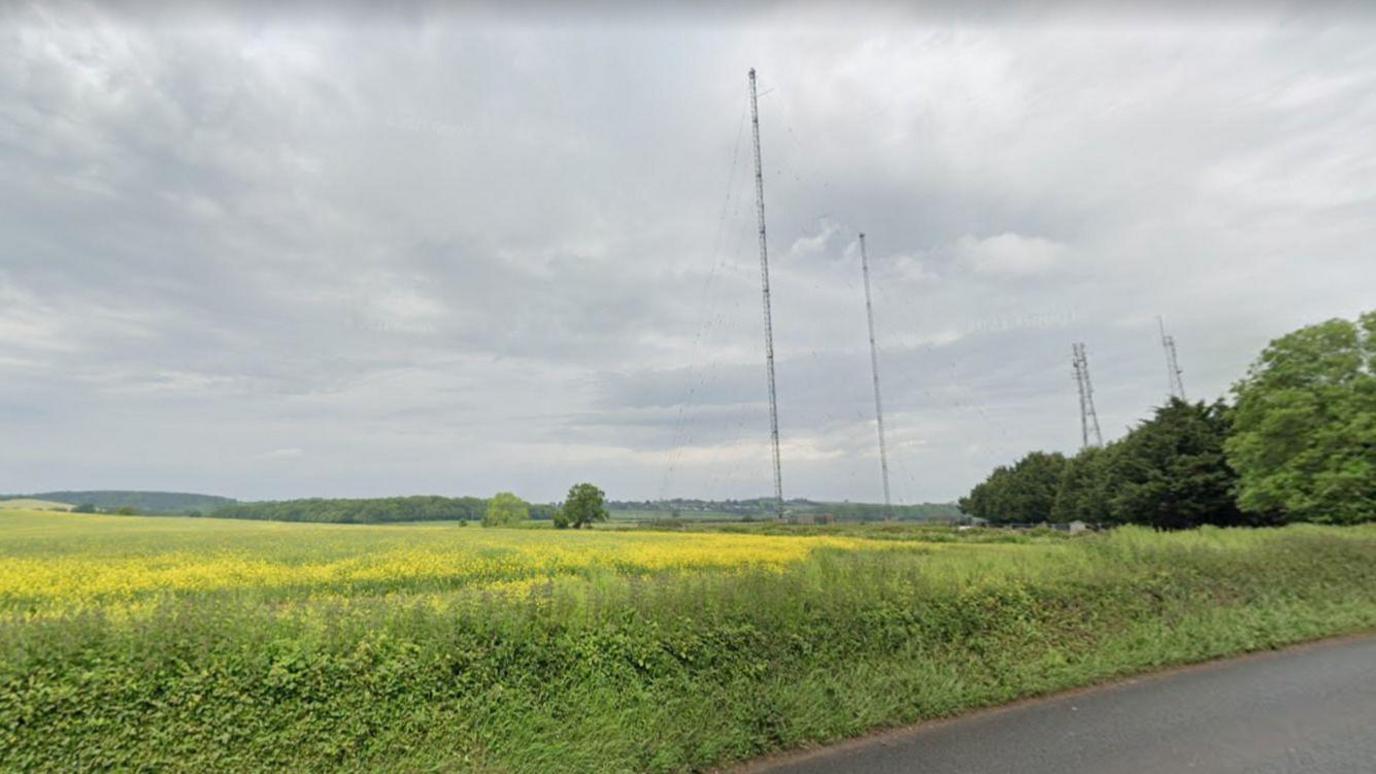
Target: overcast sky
x,y
319,254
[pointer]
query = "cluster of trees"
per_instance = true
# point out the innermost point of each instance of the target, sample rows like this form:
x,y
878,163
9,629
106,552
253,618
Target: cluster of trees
x,y
584,505
1169,472
1297,444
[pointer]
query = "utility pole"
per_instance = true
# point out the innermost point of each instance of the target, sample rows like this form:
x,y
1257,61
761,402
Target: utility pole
x,y
874,370
1089,418
1173,372
768,314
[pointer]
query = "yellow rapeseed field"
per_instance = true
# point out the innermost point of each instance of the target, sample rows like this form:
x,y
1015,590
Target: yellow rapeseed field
x,y
59,563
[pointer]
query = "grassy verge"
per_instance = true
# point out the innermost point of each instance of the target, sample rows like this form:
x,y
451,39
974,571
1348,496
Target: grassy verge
x,y
665,670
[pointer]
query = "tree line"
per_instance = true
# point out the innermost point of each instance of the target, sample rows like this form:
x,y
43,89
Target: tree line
x,y
358,511
1297,443
584,505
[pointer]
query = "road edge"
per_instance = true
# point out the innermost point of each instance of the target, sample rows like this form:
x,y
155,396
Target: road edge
x,y
891,734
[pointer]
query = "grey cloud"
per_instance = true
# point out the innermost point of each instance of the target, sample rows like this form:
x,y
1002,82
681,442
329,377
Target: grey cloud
x,y
448,252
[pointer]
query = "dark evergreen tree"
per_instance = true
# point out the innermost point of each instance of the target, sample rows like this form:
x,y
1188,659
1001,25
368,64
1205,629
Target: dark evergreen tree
x,y
1023,493
1083,492
1170,472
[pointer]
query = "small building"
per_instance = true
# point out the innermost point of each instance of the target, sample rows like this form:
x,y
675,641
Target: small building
x,y
1077,526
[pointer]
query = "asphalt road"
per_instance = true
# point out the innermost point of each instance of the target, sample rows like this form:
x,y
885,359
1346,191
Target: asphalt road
x,y
1310,709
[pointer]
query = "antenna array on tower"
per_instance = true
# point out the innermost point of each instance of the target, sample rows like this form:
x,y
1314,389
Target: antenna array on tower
x,y
1173,372
1089,418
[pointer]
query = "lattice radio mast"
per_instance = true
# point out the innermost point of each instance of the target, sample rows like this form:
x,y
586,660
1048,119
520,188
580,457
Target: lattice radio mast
x,y
874,370
1089,418
768,315
1173,372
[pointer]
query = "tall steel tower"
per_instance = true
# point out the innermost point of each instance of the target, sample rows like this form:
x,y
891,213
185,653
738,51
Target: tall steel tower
x,y
1173,372
768,314
1089,418
874,370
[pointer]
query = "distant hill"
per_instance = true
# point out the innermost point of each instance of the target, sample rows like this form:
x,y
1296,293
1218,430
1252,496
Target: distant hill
x,y
143,502
31,504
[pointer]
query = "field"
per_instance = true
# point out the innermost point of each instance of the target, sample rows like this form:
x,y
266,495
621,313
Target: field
x,y
204,644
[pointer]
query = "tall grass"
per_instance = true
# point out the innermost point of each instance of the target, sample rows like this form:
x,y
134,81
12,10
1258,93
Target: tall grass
x,y
617,663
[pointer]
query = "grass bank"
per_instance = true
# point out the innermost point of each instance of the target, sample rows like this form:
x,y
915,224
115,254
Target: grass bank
x,y
661,652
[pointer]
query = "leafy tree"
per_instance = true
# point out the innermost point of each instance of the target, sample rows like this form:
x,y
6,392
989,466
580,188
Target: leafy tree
x,y
584,505
126,510
1170,471
506,510
1304,425
84,508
